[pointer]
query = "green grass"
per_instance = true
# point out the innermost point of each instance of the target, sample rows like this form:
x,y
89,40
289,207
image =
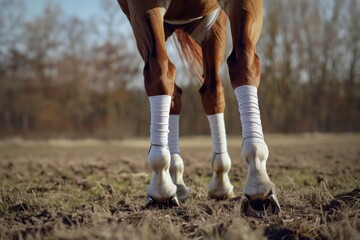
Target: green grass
x,y
296,178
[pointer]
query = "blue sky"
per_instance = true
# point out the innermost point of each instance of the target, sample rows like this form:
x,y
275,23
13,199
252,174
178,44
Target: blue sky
x,y
80,8
86,9
83,9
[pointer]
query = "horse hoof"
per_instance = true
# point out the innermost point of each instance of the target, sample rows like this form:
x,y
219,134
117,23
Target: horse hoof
x,y
183,193
152,203
222,197
260,207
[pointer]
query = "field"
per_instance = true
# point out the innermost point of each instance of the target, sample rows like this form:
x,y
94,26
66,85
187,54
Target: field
x,y
89,189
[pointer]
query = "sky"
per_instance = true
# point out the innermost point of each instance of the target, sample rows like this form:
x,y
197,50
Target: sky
x,y
87,9
81,8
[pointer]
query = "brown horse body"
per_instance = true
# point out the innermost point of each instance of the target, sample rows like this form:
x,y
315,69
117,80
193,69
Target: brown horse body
x,y
153,21
188,9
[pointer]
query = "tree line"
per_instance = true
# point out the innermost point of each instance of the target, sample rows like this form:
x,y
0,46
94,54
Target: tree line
x,y
65,76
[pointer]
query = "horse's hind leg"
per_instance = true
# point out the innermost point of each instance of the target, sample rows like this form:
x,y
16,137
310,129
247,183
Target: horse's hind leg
x,y
177,163
212,95
146,18
244,69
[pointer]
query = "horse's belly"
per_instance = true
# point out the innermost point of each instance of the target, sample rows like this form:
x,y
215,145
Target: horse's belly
x,y
190,9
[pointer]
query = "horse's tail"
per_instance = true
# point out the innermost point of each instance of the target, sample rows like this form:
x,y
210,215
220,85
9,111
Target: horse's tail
x,y
190,53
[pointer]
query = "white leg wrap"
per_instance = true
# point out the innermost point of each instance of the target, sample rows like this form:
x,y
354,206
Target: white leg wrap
x,y
177,163
220,186
218,132
161,187
249,113
159,128
254,149
174,134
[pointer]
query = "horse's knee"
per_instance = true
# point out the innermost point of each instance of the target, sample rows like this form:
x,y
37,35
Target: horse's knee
x,y
212,96
244,64
159,74
176,101
246,20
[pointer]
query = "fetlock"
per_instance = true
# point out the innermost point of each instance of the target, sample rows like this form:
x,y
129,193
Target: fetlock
x,y
158,158
220,186
176,168
258,183
161,187
176,173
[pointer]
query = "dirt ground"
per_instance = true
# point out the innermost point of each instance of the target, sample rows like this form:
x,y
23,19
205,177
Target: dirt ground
x,y
91,189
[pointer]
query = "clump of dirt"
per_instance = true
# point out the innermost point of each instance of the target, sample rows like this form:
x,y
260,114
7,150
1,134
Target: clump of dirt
x,y
343,206
21,207
274,232
349,200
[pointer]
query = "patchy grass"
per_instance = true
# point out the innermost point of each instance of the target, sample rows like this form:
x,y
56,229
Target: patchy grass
x,y
50,191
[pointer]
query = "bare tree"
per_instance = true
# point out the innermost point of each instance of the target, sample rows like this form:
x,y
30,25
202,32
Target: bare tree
x,y
78,77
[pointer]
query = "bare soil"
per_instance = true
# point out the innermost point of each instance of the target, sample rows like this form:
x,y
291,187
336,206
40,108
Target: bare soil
x,y
91,189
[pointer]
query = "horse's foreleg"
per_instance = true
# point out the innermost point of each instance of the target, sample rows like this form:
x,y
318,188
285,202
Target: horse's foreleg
x,y
177,163
147,22
212,95
220,186
244,69
161,187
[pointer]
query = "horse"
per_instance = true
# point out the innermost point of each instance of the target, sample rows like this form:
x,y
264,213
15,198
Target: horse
x,y
200,27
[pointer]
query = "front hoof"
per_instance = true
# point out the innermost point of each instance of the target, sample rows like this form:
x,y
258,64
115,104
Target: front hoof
x,y
260,207
170,203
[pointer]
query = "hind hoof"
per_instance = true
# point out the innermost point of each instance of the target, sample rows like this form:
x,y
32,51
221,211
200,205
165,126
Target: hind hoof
x,y
170,203
260,207
183,193
221,197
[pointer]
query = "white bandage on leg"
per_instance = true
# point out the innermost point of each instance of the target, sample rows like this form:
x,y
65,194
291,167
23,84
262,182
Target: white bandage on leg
x,y
161,187
254,149
218,132
247,99
159,128
177,163
220,186
174,134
